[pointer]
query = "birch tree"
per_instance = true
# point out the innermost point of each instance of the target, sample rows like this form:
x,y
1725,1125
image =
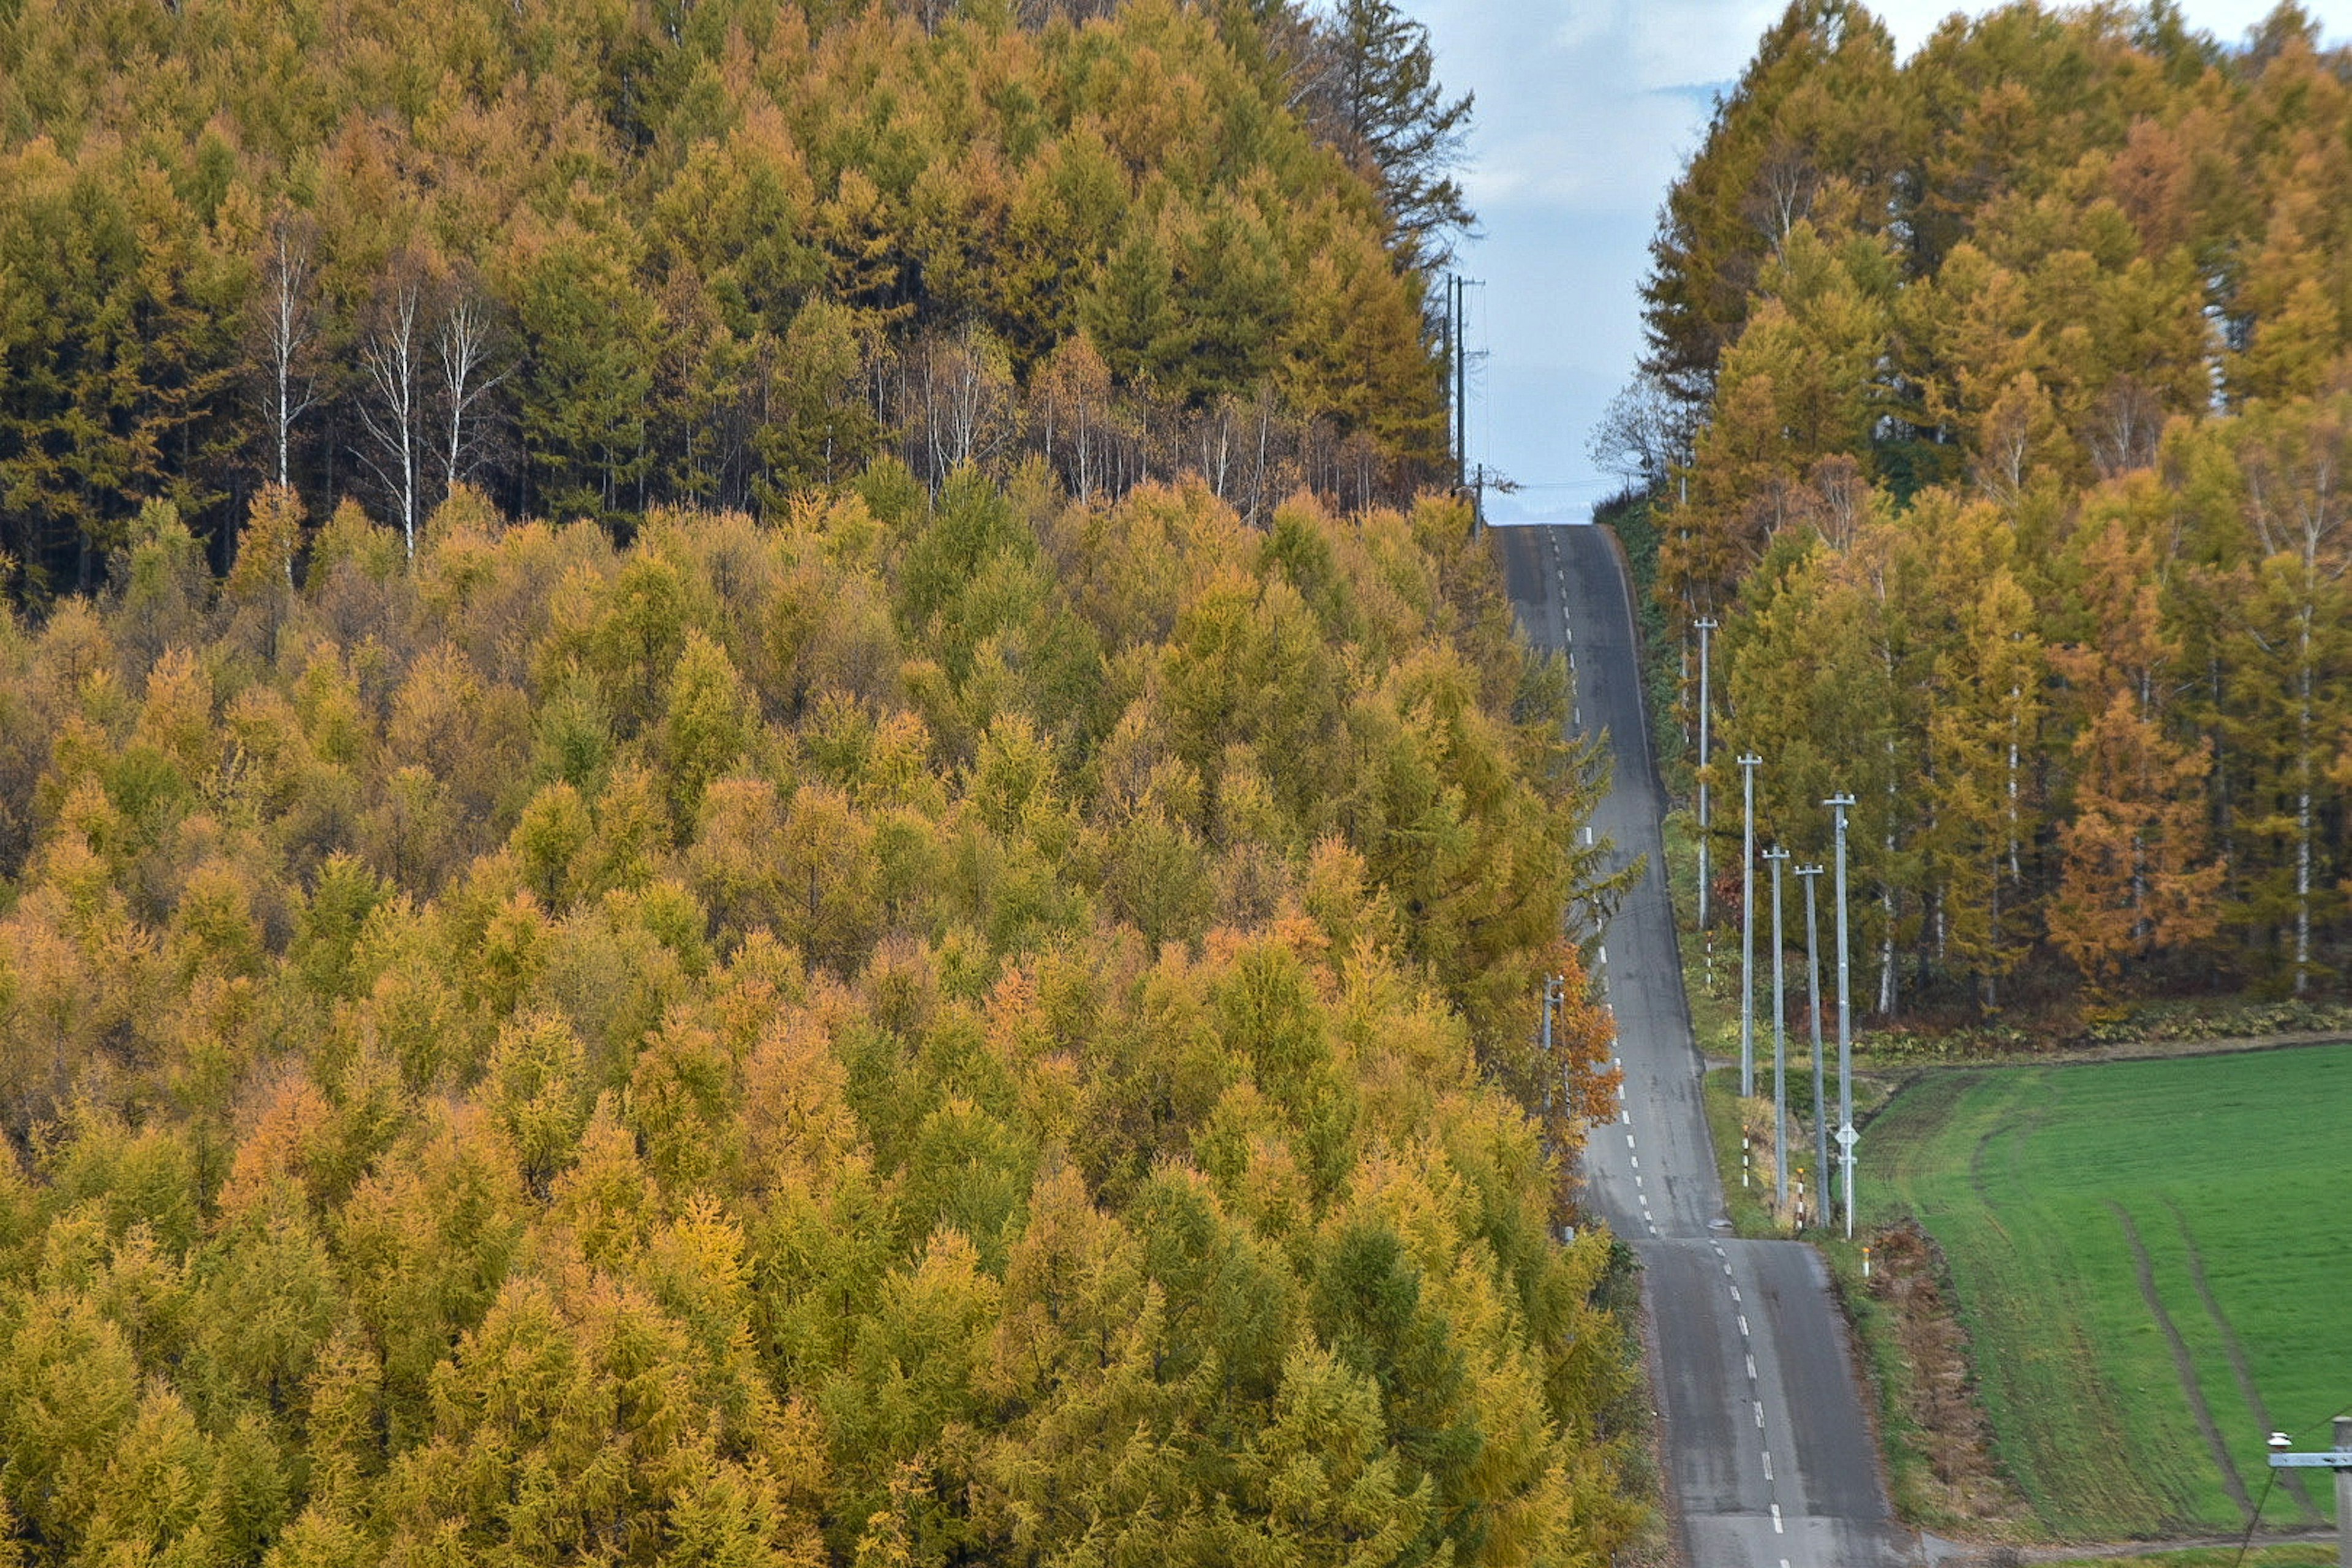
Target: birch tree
x,y
464,376
391,400
287,307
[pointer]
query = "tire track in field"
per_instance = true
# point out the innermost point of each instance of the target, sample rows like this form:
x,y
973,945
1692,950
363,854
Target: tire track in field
x,y
2239,1366
2145,1267
2025,1128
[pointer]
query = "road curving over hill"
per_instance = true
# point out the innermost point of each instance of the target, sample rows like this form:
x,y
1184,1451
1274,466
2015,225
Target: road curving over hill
x,y
1769,1460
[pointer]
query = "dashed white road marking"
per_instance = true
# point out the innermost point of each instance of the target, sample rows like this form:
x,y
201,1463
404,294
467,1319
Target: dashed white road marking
x,y
1752,1369
1735,1292
1760,1416
1768,1463
1776,1519
1743,1325
1628,1140
1637,1160
1727,1271
1604,953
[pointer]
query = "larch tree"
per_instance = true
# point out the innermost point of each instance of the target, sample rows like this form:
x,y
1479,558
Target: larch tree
x,y
1984,730
2135,878
2291,630
1819,101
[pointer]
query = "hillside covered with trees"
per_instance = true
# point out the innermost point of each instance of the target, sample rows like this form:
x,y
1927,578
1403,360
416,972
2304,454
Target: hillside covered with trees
x,y
713,848
998,1030
596,258
1998,404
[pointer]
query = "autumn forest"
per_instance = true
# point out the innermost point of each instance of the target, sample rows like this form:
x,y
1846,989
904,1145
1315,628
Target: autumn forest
x,y
592,258
1999,405
757,805
745,818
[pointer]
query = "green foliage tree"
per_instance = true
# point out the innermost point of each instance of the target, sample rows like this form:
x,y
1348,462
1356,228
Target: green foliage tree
x,y
1376,96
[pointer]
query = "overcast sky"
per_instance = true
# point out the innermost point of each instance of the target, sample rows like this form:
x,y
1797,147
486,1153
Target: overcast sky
x,y
1586,109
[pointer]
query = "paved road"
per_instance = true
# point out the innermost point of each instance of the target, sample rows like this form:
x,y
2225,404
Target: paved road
x,y
1769,1460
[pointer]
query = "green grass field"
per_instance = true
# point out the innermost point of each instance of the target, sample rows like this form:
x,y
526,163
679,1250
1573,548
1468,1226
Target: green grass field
x,y
2307,1555
2064,1196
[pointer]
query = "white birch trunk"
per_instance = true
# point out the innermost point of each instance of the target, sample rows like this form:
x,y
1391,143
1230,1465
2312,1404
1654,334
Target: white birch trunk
x,y
389,408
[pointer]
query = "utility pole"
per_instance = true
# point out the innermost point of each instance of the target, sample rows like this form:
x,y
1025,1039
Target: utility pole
x,y
1846,1135
2339,1459
1468,481
1459,301
1779,1038
1811,875
1748,762
1455,349
1704,624
1553,987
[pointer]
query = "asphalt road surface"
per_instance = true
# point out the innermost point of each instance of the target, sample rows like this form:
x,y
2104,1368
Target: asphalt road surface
x,y
1769,1461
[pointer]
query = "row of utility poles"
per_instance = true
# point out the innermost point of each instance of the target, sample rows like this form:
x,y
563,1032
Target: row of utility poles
x,y
1839,805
